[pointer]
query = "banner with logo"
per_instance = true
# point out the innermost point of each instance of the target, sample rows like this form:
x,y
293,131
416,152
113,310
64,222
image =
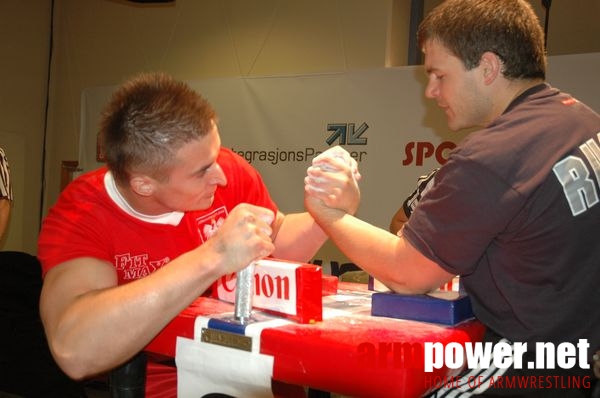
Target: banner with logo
x,y
381,117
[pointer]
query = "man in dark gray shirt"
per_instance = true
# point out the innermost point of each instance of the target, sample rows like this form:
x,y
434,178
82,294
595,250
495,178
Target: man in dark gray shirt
x,y
515,211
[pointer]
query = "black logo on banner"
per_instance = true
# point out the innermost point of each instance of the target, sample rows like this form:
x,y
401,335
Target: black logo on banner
x,y
346,134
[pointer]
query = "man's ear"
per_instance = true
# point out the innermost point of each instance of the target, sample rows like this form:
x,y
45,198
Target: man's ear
x,y
491,66
142,185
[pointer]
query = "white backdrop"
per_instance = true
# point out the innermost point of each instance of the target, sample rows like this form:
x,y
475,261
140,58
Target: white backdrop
x,y
280,123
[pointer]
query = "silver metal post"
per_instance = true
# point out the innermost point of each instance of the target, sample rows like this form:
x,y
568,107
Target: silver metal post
x,y
244,291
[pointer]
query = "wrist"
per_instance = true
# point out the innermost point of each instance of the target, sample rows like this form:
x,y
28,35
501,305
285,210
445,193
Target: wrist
x,y
208,261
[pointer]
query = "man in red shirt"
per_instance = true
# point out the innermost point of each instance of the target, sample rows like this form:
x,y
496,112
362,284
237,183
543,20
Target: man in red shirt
x,y
128,246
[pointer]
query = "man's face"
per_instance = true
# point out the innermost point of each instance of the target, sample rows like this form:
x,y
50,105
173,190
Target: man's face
x,y
195,176
456,90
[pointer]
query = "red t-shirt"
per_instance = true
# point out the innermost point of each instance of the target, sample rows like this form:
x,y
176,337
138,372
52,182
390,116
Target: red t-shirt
x,y
86,222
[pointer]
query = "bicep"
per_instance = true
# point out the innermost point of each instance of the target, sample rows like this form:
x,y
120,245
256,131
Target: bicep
x,y
67,281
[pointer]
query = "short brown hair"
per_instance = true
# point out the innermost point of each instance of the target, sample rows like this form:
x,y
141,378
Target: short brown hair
x,y
147,119
508,28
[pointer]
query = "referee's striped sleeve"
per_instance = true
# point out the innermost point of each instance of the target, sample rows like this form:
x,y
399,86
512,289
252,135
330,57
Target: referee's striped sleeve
x,y
5,185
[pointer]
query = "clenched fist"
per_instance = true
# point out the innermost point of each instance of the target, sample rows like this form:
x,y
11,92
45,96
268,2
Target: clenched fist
x,y
245,236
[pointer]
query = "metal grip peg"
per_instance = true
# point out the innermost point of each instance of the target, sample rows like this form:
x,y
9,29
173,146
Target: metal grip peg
x,y
244,291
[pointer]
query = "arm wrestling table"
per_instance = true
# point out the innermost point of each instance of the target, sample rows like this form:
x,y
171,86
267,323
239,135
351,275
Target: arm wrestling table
x,y
350,352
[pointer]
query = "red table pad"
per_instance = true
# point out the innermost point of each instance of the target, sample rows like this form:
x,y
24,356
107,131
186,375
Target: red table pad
x,y
350,352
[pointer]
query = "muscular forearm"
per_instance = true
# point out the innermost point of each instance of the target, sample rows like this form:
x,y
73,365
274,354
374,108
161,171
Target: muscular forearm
x,y
298,238
389,258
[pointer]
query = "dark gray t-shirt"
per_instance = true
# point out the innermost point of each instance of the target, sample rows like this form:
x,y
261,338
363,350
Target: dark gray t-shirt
x,y
515,212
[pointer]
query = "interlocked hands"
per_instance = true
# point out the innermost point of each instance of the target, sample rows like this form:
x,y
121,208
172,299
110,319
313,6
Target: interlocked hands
x,y
332,183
